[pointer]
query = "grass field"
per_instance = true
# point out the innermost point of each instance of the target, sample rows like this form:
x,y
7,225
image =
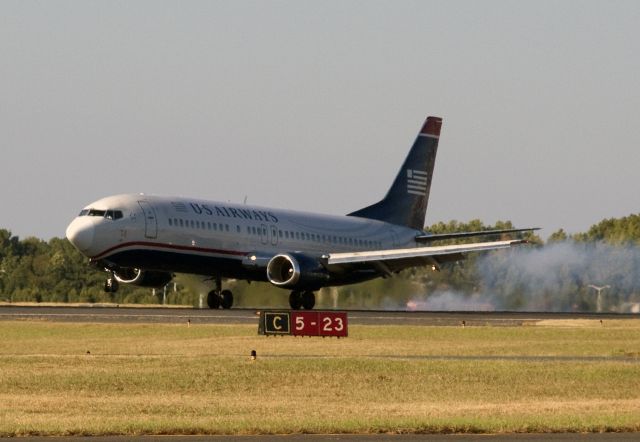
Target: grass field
x,y
94,379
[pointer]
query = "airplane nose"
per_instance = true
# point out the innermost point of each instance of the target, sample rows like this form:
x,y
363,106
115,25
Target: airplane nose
x,y
80,233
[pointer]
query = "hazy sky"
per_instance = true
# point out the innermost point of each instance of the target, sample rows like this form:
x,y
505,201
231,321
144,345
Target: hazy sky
x,y
314,105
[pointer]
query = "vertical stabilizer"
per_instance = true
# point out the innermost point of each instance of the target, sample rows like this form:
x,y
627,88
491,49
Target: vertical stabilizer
x,y
406,202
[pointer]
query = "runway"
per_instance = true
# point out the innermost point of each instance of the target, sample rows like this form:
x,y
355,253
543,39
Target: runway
x,y
125,314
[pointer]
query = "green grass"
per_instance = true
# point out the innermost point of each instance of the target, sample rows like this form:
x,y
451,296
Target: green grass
x,y
171,379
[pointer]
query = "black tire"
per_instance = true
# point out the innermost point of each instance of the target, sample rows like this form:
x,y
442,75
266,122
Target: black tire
x,y
213,300
308,300
295,300
226,299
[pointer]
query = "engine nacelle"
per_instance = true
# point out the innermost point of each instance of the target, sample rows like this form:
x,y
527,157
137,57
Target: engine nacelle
x,y
143,278
296,271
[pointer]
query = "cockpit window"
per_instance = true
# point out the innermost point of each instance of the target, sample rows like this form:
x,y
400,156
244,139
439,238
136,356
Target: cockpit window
x,y
108,214
113,214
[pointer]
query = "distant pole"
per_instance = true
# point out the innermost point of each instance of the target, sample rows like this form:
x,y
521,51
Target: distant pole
x,y
164,294
599,295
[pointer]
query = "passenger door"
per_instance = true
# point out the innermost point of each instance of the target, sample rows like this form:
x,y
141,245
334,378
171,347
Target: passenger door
x,y
150,220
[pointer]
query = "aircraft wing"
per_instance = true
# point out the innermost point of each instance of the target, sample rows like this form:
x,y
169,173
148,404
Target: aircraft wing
x,y
392,260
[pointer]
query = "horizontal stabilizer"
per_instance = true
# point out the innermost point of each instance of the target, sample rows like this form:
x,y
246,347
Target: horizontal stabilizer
x,y
442,236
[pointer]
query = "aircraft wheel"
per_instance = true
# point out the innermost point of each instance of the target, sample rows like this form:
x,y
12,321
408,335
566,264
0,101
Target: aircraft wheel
x,y
213,299
308,300
226,299
111,285
295,300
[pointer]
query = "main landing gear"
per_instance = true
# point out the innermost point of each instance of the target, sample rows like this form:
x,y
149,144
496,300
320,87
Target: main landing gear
x,y
219,298
305,300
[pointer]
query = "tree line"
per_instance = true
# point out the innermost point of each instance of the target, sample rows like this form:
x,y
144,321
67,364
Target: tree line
x,y
556,275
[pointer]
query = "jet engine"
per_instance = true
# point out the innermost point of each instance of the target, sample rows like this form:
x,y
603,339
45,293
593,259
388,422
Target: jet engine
x,y
142,278
296,271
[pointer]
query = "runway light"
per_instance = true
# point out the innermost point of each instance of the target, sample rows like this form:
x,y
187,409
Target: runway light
x,y
254,355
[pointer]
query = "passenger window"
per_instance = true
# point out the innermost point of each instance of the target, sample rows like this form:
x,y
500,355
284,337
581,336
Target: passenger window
x,y
226,227
170,222
237,228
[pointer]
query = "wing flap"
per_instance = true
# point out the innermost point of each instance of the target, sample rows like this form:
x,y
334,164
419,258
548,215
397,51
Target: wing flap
x,y
415,253
426,238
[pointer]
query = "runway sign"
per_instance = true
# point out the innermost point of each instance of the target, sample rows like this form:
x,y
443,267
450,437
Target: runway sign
x,y
304,323
275,323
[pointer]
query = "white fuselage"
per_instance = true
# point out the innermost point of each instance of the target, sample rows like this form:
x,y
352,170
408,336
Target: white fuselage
x,y
190,235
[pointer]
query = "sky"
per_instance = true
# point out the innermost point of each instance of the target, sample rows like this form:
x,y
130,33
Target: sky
x,y
313,106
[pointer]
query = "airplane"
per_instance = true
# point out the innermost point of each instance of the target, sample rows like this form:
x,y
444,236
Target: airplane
x,y
145,240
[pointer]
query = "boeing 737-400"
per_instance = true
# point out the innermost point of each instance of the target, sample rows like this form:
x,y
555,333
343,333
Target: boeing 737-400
x,y
145,240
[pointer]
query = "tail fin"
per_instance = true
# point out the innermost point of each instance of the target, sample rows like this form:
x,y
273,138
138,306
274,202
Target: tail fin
x,y
406,202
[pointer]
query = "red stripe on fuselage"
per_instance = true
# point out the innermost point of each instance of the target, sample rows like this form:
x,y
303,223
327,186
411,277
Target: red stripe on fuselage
x,y
167,246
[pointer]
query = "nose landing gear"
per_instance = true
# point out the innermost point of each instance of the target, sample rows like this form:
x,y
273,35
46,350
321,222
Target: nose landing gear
x,y
111,284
